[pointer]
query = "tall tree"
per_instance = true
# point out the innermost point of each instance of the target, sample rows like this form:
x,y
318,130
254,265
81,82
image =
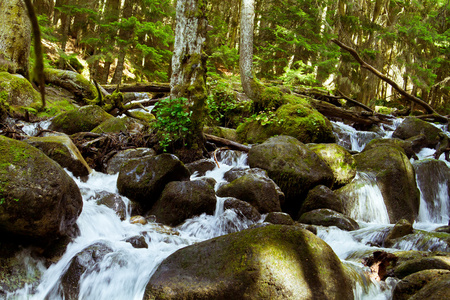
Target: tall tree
x,y
188,78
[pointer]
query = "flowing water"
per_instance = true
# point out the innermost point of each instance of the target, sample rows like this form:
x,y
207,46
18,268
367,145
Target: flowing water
x,y
124,271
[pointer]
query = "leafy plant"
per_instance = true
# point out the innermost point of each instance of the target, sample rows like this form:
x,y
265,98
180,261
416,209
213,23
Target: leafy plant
x,y
173,121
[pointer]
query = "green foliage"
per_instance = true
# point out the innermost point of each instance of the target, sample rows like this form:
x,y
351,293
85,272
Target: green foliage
x,y
173,121
301,75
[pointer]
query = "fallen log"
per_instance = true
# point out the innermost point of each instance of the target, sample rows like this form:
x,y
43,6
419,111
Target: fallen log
x,y
225,142
140,88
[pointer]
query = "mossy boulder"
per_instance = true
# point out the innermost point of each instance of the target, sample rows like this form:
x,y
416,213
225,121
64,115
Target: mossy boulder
x,y
83,119
412,284
270,262
223,132
15,90
237,172
121,157
74,82
143,179
423,263
409,147
340,161
182,200
401,228
293,167
39,201
299,120
321,197
280,218
201,166
435,290
15,37
118,125
432,177
260,191
395,177
328,217
61,149
412,126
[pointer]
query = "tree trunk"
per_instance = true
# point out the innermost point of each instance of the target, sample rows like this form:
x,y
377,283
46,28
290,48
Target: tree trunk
x,y
15,37
189,66
246,48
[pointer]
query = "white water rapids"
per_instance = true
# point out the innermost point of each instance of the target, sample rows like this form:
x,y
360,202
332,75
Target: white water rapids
x,y
124,272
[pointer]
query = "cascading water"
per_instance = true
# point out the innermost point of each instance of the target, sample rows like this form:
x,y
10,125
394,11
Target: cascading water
x,y
123,271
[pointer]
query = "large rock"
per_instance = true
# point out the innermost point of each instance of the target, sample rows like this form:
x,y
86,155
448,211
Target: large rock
x,y
422,263
38,199
293,166
74,82
143,179
409,146
115,163
83,119
271,262
260,191
436,290
395,177
411,284
17,91
328,217
119,125
322,197
299,120
413,126
61,149
340,161
15,37
244,209
182,200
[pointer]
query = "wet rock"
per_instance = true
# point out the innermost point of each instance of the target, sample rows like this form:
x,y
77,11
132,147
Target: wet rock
x,y
409,147
17,91
243,208
112,201
321,197
402,228
84,262
83,119
181,200
39,201
412,126
237,172
230,157
138,220
74,82
412,284
270,262
294,168
395,177
328,217
201,166
143,180
62,150
422,263
261,192
137,241
121,157
339,160
279,218
436,290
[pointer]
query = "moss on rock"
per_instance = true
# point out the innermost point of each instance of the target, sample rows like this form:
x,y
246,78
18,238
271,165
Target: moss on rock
x,y
17,91
83,119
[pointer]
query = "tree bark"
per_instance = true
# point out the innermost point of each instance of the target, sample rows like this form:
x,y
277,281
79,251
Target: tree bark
x,y
188,78
246,48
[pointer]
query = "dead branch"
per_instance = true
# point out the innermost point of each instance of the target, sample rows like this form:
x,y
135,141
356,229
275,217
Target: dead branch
x,y
365,65
355,102
225,142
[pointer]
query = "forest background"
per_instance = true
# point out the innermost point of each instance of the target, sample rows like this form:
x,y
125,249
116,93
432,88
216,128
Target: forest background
x,y
131,41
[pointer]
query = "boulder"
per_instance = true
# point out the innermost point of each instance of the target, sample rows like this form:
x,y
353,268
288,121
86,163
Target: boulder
x,y
182,200
437,289
17,91
121,157
201,166
422,241
411,284
412,126
61,149
143,179
299,120
237,172
422,263
401,228
279,218
328,217
293,166
116,125
242,208
83,263
74,82
270,262
260,191
339,160
83,119
15,37
395,177
112,201
38,199
409,146
321,197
